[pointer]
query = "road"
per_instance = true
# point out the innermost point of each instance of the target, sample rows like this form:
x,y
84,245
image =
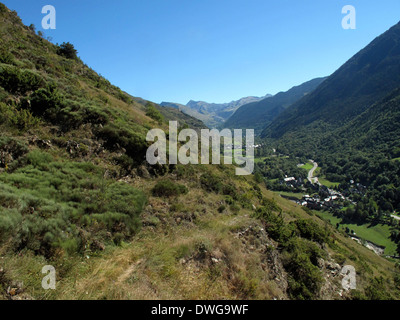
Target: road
x,y
311,173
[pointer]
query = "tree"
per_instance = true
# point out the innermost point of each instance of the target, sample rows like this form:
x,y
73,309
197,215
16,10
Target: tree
x,y
32,28
67,50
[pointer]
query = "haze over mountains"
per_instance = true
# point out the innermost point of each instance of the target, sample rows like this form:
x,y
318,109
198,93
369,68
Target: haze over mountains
x,y
212,114
257,115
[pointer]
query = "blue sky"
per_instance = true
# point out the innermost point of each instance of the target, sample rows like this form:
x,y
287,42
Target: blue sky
x,y
211,50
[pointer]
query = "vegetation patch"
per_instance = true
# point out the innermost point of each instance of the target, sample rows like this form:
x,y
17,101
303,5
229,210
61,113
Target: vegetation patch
x,y
168,188
45,205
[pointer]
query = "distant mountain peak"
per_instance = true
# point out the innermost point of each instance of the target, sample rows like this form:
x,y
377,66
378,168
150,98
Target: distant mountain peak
x,y
213,114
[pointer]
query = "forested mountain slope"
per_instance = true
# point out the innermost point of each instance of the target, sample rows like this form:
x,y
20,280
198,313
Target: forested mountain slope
x,y
365,79
258,115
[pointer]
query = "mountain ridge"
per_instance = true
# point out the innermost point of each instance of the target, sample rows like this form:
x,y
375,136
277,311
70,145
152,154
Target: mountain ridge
x,y
257,115
212,114
350,90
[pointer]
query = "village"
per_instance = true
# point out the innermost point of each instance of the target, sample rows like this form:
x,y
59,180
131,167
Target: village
x,y
322,197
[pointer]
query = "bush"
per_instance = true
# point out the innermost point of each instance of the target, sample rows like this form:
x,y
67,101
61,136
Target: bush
x,y
57,200
230,190
153,113
6,57
21,119
211,182
18,81
116,137
300,260
235,208
377,290
46,102
67,50
11,150
310,230
221,208
73,114
167,188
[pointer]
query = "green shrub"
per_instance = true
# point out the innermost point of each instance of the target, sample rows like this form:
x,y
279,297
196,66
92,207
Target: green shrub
x,y
153,113
276,226
211,182
39,159
13,147
300,260
46,102
73,114
67,50
167,188
310,230
234,208
184,171
230,190
116,137
271,205
6,57
18,81
56,200
229,200
377,290
22,119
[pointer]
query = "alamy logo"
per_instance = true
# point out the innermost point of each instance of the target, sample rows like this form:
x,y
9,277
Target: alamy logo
x,y
349,279
233,146
49,21
349,20
49,281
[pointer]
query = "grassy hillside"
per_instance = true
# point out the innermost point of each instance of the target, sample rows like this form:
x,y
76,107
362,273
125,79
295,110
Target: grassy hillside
x,y
77,194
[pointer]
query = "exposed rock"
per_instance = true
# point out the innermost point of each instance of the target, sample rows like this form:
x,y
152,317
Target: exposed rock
x,y
44,144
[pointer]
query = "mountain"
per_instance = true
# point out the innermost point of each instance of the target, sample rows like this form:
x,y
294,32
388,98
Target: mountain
x,y
205,118
212,114
366,78
77,194
349,125
257,115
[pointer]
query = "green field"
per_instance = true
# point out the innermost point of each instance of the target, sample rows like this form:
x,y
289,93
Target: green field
x,y
328,183
322,179
290,194
378,234
308,166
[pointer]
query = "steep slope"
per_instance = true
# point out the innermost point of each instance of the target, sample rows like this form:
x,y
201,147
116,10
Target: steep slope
x,y
366,150
365,79
204,118
376,129
76,193
349,125
258,115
